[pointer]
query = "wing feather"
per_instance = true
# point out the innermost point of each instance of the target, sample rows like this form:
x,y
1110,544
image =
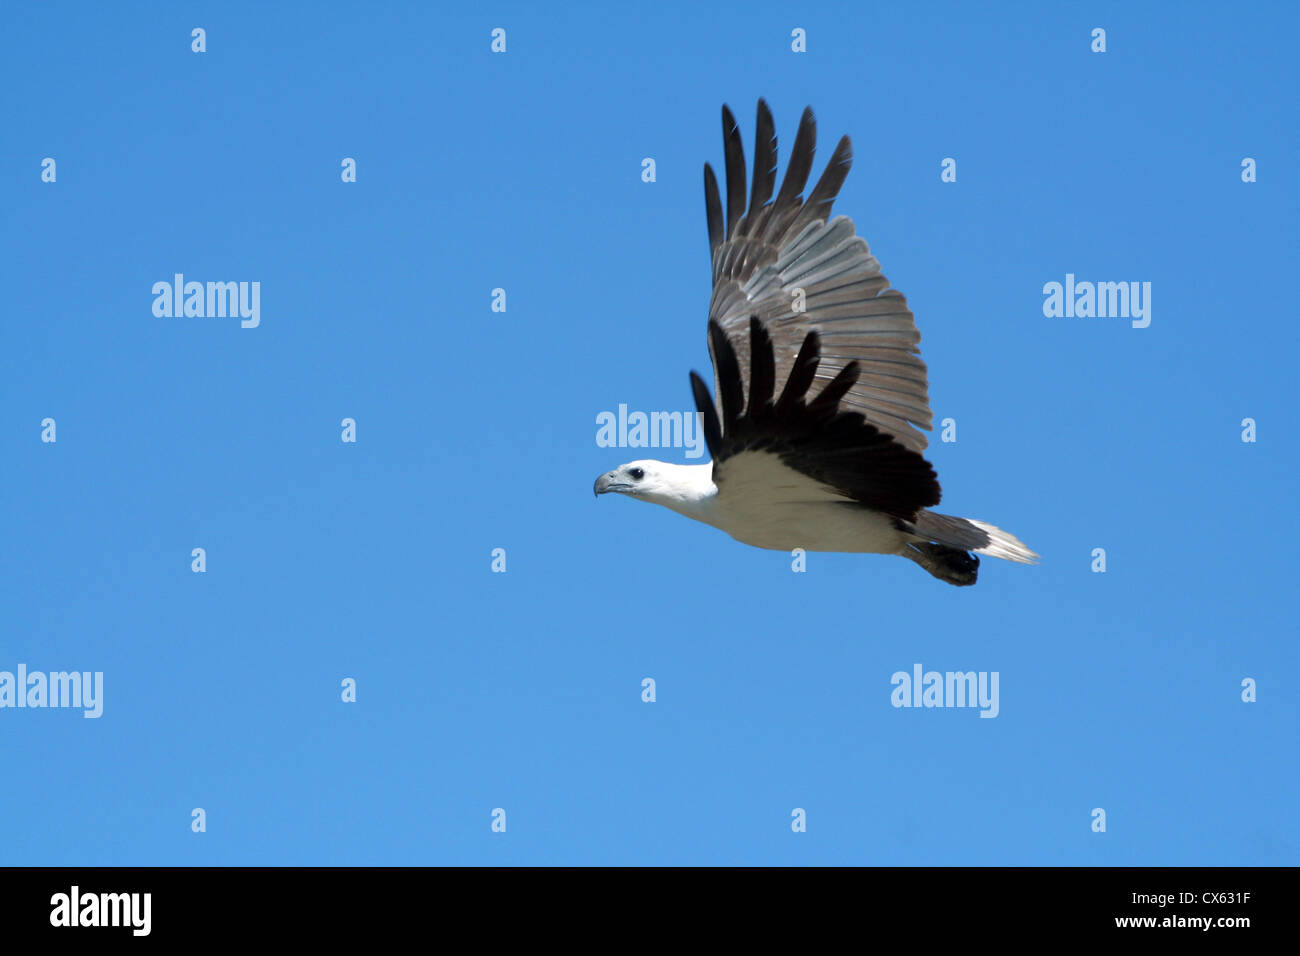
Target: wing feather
x,y
798,270
840,450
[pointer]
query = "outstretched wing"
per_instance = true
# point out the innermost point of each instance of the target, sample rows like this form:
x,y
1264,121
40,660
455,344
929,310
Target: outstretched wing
x,y
763,256
840,450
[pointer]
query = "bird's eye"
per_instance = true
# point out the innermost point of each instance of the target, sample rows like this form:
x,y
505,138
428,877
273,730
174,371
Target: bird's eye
x,y
637,473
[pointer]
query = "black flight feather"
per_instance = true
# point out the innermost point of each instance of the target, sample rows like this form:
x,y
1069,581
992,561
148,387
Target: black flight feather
x,y
735,170
838,449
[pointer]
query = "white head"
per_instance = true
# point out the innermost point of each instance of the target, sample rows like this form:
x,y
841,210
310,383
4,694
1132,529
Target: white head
x,y
684,488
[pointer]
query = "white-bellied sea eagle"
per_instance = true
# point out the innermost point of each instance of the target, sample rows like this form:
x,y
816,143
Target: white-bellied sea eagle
x,y
800,301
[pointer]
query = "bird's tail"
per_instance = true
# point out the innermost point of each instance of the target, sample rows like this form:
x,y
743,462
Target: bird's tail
x,y
945,541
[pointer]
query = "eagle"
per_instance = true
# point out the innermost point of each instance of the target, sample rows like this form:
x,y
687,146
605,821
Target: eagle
x,y
815,437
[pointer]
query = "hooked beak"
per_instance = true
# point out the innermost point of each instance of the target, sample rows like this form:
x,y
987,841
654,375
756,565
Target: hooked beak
x,y
609,482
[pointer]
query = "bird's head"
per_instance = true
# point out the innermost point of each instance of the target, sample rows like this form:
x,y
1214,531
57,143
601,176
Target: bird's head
x,y
636,479
658,481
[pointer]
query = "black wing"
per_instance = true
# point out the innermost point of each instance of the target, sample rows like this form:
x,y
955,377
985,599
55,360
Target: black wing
x,y
840,449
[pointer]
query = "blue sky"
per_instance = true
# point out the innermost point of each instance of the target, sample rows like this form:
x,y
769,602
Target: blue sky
x,y
476,430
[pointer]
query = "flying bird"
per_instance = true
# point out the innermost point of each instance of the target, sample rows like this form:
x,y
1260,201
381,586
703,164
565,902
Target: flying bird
x,y
816,437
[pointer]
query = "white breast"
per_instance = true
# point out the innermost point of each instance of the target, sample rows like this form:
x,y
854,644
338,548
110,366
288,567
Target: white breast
x,y
764,503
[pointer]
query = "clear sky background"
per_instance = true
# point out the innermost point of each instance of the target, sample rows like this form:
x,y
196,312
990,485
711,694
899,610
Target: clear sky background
x,y
476,430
